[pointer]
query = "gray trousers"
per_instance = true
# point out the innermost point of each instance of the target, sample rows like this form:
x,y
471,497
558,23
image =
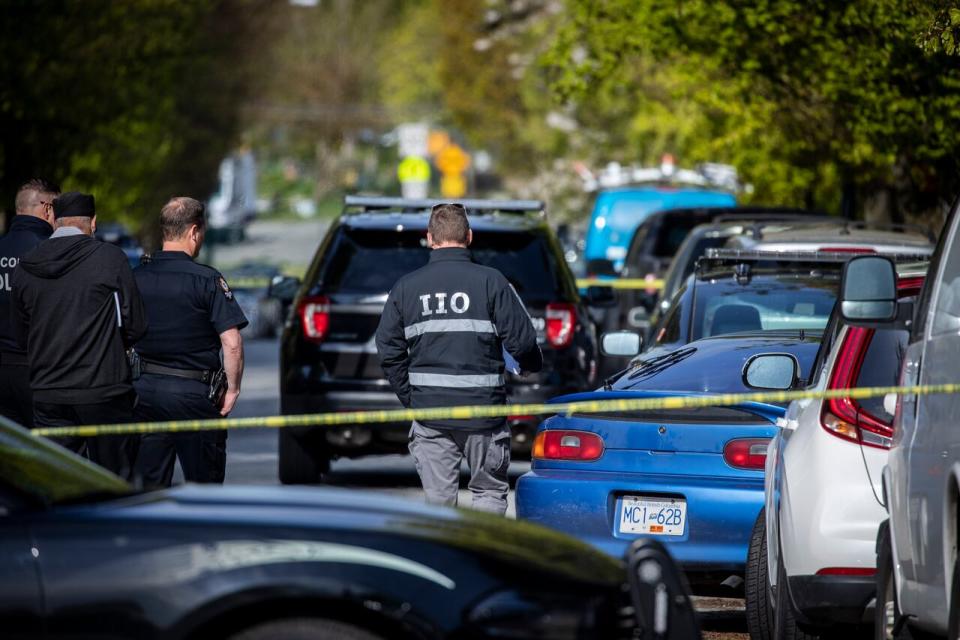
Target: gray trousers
x,y
438,453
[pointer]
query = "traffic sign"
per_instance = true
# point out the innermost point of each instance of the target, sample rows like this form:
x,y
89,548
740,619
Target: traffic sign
x,y
453,185
413,169
452,159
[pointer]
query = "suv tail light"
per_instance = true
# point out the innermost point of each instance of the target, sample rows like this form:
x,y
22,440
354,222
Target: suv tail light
x,y
560,320
314,312
746,453
567,445
843,417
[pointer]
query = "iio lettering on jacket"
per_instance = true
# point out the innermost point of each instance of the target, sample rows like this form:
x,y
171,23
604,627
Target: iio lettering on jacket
x,y
7,264
459,303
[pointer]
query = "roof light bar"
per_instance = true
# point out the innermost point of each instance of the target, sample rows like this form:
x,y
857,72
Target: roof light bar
x,y
372,204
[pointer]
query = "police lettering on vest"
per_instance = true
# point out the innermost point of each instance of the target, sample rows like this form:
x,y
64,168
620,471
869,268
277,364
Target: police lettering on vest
x,y
459,303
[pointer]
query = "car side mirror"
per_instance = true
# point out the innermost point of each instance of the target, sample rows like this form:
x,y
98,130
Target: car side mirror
x,y
599,296
284,288
659,593
868,292
773,371
621,343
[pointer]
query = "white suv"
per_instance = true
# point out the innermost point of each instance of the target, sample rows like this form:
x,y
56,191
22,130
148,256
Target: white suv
x,y
812,555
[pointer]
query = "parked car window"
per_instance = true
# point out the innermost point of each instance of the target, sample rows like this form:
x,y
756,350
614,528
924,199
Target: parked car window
x,y
946,315
881,368
524,258
372,260
766,304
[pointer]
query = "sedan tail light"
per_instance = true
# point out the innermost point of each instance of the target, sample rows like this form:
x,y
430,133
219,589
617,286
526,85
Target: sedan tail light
x,y
561,317
314,312
746,453
567,445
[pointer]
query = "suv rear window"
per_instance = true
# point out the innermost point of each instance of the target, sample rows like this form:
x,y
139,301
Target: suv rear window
x,y
370,261
881,368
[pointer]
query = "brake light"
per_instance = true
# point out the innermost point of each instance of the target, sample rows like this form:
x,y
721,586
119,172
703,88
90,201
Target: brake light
x,y
567,445
847,571
560,319
314,313
746,453
844,417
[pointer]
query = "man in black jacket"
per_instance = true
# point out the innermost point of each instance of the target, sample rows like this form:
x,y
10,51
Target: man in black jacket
x,y
441,341
30,227
76,303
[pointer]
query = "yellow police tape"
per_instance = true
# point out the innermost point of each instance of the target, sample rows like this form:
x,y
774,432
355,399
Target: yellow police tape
x,y
619,283
488,411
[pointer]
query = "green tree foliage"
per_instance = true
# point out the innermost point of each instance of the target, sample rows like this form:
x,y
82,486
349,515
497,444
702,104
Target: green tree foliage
x,y
804,96
133,101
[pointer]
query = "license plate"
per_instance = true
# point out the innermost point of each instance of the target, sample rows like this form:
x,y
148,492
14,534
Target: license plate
x,y
653,516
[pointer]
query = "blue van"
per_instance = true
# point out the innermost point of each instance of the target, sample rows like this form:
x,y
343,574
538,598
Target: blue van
x,y
618,212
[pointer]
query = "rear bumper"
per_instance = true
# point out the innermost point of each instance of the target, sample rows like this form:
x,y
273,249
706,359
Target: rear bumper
x,y
376,438
829,600
720,512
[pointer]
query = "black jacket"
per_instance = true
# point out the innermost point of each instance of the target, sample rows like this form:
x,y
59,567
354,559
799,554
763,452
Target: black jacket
x,y
24,234
75,300
442,334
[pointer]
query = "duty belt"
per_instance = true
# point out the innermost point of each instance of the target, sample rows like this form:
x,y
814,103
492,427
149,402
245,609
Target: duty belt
x,y
190,374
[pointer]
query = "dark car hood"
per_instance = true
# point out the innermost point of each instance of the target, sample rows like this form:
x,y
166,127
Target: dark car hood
x,y
306,511
715,365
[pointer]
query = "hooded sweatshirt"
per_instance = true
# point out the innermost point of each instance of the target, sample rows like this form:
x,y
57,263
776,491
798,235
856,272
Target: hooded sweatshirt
x,y
77,308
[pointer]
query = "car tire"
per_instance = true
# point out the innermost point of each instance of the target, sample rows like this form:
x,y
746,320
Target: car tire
x,y
953,625
786,622
304,629
759,609
297,464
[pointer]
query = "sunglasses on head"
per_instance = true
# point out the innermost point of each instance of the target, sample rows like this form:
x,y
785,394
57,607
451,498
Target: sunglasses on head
x,y
449,204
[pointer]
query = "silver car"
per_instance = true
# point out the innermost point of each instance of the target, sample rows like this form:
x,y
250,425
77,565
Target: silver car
x,y
918,582
850,235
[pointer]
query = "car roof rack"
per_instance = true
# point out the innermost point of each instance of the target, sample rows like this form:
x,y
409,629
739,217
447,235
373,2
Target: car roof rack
x,y
374,204
713,258
772,216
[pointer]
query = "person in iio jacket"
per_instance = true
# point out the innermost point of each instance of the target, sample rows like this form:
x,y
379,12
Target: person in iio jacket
x,y
441,341
77,305
30,227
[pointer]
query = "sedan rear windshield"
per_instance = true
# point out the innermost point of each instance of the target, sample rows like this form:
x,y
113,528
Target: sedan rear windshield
x,y
763,303
370,261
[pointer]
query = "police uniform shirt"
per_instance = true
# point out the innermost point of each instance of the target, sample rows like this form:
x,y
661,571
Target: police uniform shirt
x,y
25,233
188,306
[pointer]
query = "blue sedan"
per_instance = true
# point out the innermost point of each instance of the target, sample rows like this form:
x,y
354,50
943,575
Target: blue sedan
x,y
691,478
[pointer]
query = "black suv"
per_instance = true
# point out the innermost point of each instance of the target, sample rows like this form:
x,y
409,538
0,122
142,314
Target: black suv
x,y
328,359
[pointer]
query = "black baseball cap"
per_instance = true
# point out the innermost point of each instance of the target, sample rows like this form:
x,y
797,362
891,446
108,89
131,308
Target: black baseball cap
x,y
74,204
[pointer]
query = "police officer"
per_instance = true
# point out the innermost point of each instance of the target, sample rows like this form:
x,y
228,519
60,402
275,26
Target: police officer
x,y
193,315
32,224
441,341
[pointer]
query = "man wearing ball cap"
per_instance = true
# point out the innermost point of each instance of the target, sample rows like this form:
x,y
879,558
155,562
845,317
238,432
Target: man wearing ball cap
x,y
77,307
